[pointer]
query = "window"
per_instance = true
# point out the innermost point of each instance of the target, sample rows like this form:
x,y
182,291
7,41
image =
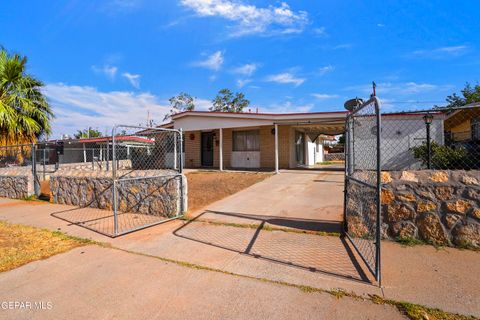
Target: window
x,y
475,128
246,140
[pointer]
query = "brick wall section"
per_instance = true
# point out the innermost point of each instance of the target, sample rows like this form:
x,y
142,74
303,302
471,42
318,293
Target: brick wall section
x,y
227,148
267,148
192,149
216,146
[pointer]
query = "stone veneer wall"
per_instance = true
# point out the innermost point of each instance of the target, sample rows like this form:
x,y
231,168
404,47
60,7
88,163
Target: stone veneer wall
x,y
334,157
16,182
157,194
439,207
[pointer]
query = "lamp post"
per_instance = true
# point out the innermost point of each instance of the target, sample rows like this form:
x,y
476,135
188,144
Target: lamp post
x,y
428,118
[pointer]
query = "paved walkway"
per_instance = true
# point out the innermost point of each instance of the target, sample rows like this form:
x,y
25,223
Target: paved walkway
x,y
437,278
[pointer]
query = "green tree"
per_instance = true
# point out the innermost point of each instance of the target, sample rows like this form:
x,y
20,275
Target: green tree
x,y
87,133
226,101
469,94
24,111
180,103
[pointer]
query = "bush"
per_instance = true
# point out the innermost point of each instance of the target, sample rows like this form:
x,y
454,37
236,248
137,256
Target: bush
x,y
442,157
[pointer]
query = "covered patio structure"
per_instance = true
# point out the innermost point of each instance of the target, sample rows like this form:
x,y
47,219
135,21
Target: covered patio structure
x,y
222,140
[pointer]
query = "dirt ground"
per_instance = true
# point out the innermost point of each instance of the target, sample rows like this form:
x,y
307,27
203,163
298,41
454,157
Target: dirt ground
x,y
45,188
207,187
23,244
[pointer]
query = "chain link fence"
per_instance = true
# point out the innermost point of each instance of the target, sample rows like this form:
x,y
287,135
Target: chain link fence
x,y
437,139
113,185
362,183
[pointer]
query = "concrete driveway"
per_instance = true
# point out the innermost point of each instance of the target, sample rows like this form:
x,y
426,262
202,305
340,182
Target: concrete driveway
x,y
419,274
302,199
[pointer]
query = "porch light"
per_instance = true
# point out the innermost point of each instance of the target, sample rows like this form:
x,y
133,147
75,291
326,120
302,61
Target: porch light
x,y
428,118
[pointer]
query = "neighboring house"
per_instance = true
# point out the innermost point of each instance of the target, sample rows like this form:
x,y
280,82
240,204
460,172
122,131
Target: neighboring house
x,y
90,149
401,132
463,125
255,140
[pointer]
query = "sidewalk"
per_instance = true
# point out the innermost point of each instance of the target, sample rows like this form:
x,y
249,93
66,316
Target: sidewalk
x,y
101,283
440,278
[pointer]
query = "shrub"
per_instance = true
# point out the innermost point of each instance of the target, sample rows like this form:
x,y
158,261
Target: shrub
x,y
442,157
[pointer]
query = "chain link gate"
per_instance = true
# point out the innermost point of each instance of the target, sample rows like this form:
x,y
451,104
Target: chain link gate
x,y
362,207
118,184
147,177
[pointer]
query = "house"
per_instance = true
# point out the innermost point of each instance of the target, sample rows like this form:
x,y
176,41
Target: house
x,y
403,131
280,141
255,140
463,124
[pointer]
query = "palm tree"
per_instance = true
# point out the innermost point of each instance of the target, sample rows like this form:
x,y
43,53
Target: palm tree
x,y
24,111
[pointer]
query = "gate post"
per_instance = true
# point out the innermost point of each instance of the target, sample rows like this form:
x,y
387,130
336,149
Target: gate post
x,y
379,194
114,177
36,183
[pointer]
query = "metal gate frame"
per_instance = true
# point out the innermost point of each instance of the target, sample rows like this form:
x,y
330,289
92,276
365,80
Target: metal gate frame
x,y
178,167
375,184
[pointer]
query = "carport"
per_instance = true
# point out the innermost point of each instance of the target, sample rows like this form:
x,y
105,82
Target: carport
x,y
249,140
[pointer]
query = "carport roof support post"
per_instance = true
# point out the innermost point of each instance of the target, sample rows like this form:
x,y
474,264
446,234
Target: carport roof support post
x,y
276,148
220,158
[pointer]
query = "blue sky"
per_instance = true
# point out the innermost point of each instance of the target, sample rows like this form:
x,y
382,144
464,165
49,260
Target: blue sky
x,y
106,62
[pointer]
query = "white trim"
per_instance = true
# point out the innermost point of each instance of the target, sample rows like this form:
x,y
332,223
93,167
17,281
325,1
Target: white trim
x,y
264,116
220,157
276,149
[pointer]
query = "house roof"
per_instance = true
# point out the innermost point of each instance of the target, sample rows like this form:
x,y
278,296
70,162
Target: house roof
x,y
209,120
118,138
259,115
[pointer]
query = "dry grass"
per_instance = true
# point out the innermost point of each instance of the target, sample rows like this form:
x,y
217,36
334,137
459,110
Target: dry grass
x,y
23,244
207,187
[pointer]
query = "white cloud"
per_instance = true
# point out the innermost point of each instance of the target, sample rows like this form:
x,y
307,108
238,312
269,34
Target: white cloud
x,y
413,87
320,31
78,107
380,25
343,46
285,77
251,19
109,71
113,7
400,88
442,52
134,79
242,82
287,107
324,96
202,104
326,69
213,62
247,69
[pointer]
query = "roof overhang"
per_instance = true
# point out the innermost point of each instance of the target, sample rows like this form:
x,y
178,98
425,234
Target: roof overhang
x,y
198,120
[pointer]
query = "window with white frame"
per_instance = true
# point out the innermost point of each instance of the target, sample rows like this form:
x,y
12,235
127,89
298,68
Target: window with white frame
x,y
248,140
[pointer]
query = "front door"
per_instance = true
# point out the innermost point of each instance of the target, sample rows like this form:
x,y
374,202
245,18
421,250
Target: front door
x,y
300,147
207,149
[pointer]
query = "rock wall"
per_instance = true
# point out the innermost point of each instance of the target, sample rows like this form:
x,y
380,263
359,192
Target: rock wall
x,y
16,187
438,207
334,157
152,193
16,182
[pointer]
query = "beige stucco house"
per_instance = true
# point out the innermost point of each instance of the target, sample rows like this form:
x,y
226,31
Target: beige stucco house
x,y
255,140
